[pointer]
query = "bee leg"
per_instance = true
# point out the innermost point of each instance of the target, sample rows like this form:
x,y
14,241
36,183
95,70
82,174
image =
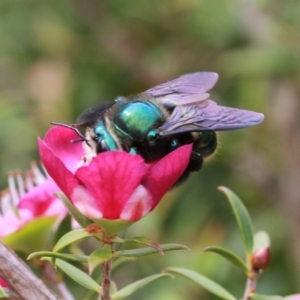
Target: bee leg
x,y
174,144
195,162
133,151
196,158
194,165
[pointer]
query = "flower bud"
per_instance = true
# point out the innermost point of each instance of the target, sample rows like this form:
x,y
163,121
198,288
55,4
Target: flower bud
x,y
261,258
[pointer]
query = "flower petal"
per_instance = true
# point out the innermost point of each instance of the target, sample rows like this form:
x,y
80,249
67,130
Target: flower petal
x,y
65,180
166,172
3,283
10,222
40,199
138,205
111,178
59,140
85,203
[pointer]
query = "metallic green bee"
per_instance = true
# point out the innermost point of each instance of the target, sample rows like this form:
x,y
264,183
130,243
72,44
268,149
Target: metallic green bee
x,y
161,119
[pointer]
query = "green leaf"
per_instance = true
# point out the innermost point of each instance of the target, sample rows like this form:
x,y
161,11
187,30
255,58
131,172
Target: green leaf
x,y
71,237
133,287
145,241
120,261
26,240
230,256
242,217
121,235
147,250
65,256
98,257
79,276
2,293
261,240
113,287
266,297
76,214
204,282
64,227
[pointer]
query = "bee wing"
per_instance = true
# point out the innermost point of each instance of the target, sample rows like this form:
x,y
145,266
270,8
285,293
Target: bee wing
x,y
207,115
185,89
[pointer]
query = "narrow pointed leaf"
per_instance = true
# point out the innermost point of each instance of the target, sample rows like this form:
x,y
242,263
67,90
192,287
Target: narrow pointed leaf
x,y
230,256
242,217
2,293
145,241
65,256
70,237
204,282
133,287
113,287
121,236
64,227
261,240
120,261
148,250
98,257
78,216
79,276
266,297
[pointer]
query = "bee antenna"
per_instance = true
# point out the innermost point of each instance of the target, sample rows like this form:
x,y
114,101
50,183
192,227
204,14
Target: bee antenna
x,y
78,140
73,127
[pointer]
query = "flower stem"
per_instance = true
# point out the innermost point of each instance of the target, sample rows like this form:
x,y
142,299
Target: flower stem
x,y
106,280
251,284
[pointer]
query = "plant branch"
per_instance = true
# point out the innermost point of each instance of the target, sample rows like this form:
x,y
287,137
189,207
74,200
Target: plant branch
x,y
23,283
106,280
251,284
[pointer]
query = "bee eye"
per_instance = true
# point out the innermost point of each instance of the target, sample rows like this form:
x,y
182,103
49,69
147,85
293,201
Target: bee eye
x,y
103,137
98,130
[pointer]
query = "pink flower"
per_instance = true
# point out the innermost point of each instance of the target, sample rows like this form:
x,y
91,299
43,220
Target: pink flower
x,y
27,199
115,185
3,283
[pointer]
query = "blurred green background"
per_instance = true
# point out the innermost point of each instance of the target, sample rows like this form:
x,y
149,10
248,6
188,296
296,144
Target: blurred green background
x,y
57,58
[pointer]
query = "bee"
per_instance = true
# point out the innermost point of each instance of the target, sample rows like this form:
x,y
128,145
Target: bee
x,y
161,119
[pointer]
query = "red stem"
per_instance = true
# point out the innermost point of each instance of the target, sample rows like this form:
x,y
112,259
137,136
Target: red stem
x,y
106,280
251,284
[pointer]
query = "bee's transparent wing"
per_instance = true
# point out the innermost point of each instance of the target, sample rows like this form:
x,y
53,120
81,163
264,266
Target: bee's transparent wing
x,y
186,89
207,115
